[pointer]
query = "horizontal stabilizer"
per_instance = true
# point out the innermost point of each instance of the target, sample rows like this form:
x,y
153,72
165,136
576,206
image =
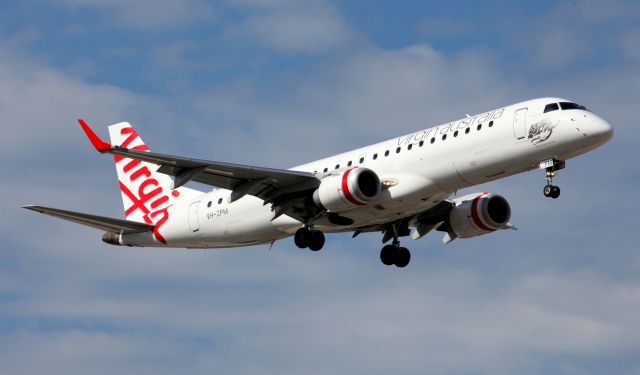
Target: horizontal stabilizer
x,y
99,222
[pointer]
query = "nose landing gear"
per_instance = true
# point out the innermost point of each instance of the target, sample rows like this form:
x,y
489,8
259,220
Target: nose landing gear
x,y
551,166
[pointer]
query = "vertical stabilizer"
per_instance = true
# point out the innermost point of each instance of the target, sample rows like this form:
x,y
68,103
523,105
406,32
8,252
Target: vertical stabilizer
x,y
146,194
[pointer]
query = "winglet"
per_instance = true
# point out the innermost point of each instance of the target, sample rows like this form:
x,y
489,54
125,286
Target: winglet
x,y
98,143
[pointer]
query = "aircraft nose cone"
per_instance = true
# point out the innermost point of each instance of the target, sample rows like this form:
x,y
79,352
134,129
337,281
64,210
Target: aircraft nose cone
x,y
602,130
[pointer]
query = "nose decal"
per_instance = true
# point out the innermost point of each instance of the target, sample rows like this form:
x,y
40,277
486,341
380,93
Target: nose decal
x,y
541,131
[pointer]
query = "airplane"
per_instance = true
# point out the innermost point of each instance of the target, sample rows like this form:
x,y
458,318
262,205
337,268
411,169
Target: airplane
x,y
400,187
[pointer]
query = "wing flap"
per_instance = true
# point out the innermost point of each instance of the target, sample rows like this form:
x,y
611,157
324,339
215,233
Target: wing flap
x,y
99,222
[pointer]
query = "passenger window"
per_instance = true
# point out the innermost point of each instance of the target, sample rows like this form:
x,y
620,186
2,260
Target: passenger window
x,y
479,126
325,170
337,166
398,150
220,201
491,123
409,147
209,204
551,107
433,140
375,156
444,136
361,160
386,153
467,130
421,143
455,134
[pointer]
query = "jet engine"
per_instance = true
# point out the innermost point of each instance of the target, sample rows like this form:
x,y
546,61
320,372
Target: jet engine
x,y
478,214
352,188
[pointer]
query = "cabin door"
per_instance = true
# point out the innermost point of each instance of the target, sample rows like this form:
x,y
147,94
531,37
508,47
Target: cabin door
x,y
520,124
194,224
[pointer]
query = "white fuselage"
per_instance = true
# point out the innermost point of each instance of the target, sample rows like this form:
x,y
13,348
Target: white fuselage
x,y
418,171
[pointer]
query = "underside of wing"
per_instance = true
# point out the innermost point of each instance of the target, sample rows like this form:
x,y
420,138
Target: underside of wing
x,y
99,222
435,217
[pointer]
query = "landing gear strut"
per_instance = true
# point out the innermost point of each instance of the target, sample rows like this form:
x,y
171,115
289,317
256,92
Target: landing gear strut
x,y
394,253
306,237
551,166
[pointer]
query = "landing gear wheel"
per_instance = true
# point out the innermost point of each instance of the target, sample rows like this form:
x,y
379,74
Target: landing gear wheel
x,y
302,238
403,257
316,241
388,255
551,191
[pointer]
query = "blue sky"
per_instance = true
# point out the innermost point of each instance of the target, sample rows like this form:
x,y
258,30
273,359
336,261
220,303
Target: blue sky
x,y
279,83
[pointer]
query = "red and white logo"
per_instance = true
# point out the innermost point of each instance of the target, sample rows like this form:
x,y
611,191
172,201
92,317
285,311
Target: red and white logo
x,y
146,195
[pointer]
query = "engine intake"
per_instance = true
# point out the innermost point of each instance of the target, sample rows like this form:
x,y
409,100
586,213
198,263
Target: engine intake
x,y
482,214
352,188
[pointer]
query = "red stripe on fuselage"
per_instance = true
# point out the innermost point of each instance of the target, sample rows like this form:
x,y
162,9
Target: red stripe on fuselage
x,y
345,189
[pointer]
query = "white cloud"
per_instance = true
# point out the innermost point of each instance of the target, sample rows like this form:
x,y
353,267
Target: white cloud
x,y
350,322
38,103
294,27
81,352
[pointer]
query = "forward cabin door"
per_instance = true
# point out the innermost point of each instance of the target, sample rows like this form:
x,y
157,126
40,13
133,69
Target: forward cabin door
x,y
520,124
194,224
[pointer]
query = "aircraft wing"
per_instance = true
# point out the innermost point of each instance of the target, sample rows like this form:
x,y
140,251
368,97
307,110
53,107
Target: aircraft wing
x,y
277,186
100,222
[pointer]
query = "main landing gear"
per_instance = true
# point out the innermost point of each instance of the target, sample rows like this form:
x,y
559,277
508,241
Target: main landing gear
x,y
395,254
306,237
550,167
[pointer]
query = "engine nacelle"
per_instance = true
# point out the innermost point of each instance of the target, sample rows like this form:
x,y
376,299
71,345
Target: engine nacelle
x,y
352,188
479,214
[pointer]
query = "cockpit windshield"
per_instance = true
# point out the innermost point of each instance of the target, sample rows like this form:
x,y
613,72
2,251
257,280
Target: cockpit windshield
x,y
551,107
568,105
564,106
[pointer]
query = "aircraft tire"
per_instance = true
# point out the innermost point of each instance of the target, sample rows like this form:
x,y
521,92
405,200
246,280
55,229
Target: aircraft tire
x,y
403,257
388,255
316,241
302,238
